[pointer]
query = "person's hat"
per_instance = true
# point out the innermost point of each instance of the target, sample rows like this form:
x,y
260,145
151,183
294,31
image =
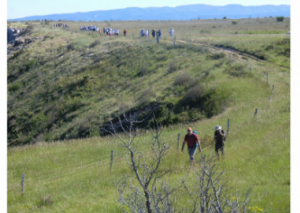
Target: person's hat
x,y
217,127
189,129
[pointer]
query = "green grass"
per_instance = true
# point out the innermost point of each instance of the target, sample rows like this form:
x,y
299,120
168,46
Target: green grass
x,y
73,175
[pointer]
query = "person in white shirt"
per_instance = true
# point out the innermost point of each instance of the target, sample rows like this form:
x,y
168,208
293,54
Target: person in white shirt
x,y
172,32
146,33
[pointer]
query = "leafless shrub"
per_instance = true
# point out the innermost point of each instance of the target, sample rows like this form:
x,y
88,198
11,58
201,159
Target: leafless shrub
x,y
211,193
172,67
144,197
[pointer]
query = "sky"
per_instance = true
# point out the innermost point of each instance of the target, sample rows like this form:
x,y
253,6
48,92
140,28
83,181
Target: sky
x,y
21,8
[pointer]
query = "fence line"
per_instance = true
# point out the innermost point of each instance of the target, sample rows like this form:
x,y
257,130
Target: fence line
x,y
104,162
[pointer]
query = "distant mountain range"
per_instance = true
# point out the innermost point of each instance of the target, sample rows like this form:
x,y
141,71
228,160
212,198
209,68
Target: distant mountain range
x,y
185,12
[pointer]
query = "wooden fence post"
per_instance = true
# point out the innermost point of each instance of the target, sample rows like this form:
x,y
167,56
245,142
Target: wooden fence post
x,y
255,112
178,141
227,127
175,41
157,38
203,48
111,159
22,183
267,78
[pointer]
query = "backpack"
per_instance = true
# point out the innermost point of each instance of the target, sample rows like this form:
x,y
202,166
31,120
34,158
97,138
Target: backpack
x,y
195,133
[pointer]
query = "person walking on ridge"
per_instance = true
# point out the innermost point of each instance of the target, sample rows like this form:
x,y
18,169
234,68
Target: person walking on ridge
x,y
219,137
193,142
172,32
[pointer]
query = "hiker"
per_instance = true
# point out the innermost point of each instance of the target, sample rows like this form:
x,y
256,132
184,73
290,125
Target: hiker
x,y
142,33
219,138
146,33
159,33
153,33
125,32
193,142
172,32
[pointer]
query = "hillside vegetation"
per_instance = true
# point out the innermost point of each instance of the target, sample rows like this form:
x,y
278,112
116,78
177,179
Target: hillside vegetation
x,y
57,86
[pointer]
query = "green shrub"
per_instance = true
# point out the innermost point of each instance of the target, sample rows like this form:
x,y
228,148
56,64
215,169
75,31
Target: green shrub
x,y
280,18
186,81
17,53
194,96
70,47
172,67
216,100
95,43
147,96
234,22
14,87
30,64
236,70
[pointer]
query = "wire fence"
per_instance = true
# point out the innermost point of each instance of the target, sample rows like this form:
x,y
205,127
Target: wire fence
x,y
32,181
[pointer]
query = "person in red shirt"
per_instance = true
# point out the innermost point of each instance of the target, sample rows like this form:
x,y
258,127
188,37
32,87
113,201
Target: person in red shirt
x,y
125,32
193,142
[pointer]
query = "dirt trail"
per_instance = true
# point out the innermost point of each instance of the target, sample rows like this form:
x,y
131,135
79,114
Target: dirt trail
x,y
228,51
235,54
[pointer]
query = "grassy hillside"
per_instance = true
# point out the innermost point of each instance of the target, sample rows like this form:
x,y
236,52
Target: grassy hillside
x,y
56,91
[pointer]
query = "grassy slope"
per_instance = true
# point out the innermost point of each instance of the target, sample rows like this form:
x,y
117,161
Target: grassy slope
x,y
74,174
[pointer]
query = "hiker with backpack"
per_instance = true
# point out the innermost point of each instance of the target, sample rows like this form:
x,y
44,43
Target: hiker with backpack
x,y
142,33
193,142
219,137
125,32
153,33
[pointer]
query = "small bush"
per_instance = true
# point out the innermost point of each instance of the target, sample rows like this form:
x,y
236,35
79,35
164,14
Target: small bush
x,y
270,47
30,64
14,87
234,22
95,43
216,100
280,18
45,37
143,70
70,47
186,81
224,17
172,67
147,96
17,53
194,96
236,70
161,57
